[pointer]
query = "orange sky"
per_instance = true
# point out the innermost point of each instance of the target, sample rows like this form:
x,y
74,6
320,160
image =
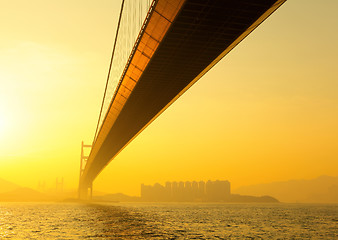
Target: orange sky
x,y
267,112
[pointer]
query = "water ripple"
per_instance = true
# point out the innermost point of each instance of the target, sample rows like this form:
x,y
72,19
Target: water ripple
x,y
167,221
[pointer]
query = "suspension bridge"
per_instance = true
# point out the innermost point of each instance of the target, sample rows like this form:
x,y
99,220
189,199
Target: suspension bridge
x,y
161,48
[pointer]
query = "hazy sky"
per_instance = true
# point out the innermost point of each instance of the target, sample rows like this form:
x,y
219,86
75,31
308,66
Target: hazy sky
x,y
267,112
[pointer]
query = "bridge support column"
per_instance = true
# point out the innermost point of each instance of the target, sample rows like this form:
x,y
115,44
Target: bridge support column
x,y
85,190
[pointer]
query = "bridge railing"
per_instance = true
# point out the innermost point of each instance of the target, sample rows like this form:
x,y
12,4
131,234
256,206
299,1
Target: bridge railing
x,y
132,16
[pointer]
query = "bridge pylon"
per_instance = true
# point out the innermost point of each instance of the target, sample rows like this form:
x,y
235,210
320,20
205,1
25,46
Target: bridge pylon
x,y
85,192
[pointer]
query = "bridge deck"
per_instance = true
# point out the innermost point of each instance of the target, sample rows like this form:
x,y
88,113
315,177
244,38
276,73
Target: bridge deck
x,y
202,32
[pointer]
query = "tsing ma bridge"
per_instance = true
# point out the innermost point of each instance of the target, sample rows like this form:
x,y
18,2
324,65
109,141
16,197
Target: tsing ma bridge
x,y
161,48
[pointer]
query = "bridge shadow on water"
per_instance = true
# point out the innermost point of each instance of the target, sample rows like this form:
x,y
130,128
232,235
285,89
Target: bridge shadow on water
x,y
116,222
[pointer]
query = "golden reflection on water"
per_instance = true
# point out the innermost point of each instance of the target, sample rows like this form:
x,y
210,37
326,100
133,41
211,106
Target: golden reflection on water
x,y
167,221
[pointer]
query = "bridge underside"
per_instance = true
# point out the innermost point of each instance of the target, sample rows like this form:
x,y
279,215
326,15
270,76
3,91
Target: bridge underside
x,y
202,33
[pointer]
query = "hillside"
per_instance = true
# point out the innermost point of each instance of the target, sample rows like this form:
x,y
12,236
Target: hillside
x,y
323,189
6,186
23,195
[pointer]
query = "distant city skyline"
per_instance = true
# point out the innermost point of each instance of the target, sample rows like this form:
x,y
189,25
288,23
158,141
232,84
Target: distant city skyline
x,y
323,189
187,191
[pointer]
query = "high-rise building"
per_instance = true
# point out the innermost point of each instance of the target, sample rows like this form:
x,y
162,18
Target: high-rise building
x,y
201,190
174,190
180,191
188,192
168,191
194,190
217,190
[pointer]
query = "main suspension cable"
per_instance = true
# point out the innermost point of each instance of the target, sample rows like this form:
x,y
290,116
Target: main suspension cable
x,y
109,70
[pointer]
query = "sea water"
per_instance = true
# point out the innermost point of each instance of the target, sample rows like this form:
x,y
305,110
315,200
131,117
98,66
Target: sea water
x,y
167,221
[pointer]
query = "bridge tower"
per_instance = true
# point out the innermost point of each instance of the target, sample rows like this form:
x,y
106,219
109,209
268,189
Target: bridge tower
x,y
84,192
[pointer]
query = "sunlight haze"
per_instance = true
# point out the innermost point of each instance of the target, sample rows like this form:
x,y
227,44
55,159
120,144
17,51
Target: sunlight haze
x,y
268,111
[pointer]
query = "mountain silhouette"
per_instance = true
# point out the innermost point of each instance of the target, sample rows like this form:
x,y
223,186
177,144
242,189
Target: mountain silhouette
x,y
323,189
6,186
24,195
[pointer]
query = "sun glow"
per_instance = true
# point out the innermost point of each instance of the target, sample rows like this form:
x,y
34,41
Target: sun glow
x,y
2,125
5,118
